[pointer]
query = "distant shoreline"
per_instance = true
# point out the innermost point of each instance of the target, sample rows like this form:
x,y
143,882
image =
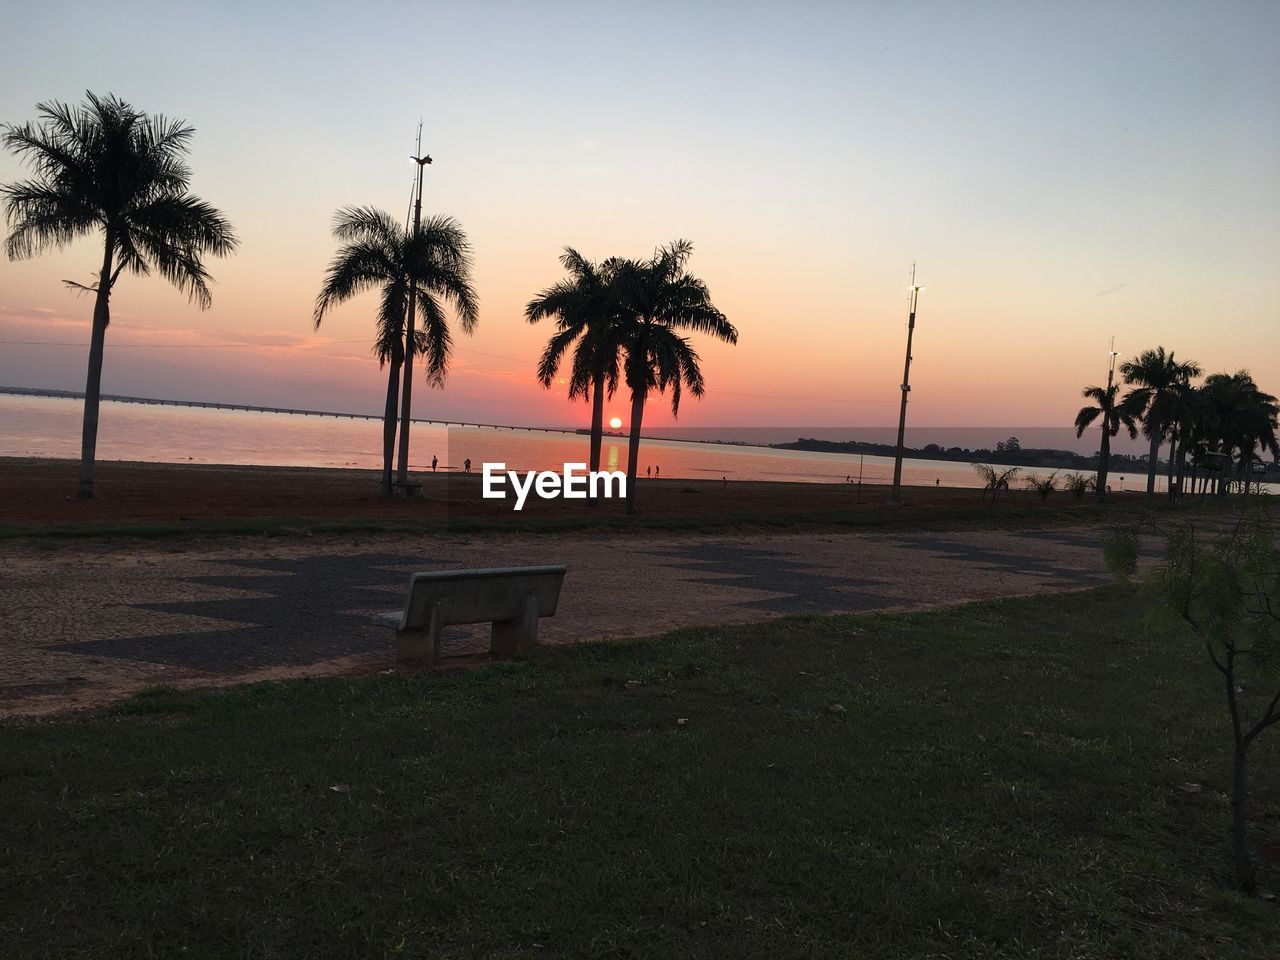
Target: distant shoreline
x,y
1029,457
1041,459
909,453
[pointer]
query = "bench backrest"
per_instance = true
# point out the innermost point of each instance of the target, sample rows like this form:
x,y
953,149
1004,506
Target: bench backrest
x,y
478,596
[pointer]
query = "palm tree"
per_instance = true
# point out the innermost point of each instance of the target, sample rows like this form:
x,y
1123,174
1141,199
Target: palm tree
x,y
995,480
1043,486
378,254
1186,427
1115,414
1155,375
1240,417
658,298
587,312
103,165
1077,484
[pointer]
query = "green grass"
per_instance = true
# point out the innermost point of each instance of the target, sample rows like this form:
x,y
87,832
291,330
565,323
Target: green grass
x,y
1003,780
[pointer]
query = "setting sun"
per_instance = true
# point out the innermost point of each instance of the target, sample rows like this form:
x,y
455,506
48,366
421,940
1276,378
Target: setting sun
x,y
615,423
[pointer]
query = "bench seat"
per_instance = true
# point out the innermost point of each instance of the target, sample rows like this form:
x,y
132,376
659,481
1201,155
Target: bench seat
x,y
410,488
511,598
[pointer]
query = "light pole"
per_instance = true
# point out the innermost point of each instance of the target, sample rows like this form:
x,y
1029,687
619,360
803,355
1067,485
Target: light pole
x,y
402,470
896,495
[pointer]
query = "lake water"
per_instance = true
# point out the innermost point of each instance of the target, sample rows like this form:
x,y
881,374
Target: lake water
x,y
50,427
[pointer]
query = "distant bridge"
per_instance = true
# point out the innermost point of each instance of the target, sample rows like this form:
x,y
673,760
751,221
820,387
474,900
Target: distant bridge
x,y
259,408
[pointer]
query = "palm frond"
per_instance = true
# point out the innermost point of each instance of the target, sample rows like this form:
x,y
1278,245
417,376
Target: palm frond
x,y
390,343
367,224
42,217
175,232
440,260
105,164
552,354
357,267
435,341
1085,418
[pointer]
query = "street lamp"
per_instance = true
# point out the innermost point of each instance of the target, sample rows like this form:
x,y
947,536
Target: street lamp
x,y
896,495
402,471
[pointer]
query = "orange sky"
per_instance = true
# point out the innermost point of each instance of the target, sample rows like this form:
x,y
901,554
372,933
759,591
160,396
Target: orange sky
x,y
1061,178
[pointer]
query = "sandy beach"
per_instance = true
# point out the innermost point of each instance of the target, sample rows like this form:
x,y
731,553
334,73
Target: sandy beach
x,y
42,491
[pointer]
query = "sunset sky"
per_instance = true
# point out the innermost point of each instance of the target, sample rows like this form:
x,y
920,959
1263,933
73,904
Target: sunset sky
x,y
1062,172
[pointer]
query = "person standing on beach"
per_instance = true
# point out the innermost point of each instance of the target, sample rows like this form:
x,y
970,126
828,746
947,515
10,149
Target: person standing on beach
x,y
466,465
657,472
434,461
648,471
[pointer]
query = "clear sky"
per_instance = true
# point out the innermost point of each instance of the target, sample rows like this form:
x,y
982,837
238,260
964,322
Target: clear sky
x,y
1063,172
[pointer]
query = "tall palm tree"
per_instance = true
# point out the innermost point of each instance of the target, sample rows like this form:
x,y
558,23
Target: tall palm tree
x,y
1154,375
1186,426
586,309
1115,413
658,300
378,254
106,166
1241,418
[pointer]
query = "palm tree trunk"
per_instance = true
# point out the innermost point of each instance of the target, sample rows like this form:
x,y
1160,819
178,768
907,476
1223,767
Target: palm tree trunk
x,y
1104,461
402,470
93,378
1151,461
389,426
633,451
1182,470
1173,459
597,418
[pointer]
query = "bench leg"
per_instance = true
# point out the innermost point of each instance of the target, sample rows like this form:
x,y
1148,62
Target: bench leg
x,y
421,647
512,636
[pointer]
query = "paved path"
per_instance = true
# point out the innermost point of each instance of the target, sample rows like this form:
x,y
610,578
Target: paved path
x,y
81,625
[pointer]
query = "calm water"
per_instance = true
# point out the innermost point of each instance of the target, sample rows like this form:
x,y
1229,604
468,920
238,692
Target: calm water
x,y
48,427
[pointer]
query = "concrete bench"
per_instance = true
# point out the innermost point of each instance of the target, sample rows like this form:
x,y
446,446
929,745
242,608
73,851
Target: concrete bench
x,y
512,598
410,489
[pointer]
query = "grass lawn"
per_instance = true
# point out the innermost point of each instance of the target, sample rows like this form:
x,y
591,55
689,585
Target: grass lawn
x,y
1009,779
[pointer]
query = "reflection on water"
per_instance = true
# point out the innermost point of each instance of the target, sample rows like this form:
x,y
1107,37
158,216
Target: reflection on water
x,y
49,427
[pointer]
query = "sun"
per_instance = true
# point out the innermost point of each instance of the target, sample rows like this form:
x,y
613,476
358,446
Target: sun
x,y
616,422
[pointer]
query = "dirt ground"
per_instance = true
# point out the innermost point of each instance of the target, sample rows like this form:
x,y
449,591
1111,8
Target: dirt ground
x,y
36,491
85,622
